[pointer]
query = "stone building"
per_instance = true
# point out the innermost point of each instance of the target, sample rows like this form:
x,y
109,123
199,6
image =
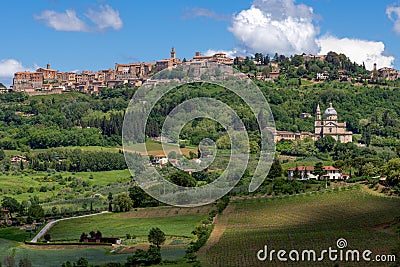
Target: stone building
x,y
169,62
133,70
25,81
291,136
48,73
219,57
388,73
327,124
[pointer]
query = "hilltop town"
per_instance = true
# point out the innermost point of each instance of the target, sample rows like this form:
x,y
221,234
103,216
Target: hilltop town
x,y
47,80
337,149
315,68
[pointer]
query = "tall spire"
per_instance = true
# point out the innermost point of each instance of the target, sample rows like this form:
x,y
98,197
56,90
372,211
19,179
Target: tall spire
x,y
318,125
318,113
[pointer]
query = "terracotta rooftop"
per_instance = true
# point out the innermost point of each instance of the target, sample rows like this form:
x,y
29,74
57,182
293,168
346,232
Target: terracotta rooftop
x,y
311,168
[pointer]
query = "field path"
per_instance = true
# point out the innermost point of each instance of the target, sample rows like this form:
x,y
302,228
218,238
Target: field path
x,y
220,225
50,224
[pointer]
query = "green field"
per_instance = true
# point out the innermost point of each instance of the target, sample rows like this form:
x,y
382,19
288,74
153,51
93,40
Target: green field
x,y
51,257
300,222
175,222
54,257
13,233
156,148
17,185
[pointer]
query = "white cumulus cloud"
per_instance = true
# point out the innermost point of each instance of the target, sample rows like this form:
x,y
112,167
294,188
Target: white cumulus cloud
x,y
102,18
393,13
280,26
64,21
105,17
229,53
284,27
7,69
360,51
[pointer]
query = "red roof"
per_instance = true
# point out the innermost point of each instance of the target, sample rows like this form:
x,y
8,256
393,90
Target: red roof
x,y
303,168
311,168
330,168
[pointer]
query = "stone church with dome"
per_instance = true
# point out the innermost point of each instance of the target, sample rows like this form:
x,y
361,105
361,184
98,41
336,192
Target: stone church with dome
x,y
327,124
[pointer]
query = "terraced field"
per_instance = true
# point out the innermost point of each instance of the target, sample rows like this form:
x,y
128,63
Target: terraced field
x,y
301,222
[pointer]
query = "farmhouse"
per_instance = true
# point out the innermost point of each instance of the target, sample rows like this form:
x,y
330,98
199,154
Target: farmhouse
x,y
97,237
307,173
17,159
160,159
285,135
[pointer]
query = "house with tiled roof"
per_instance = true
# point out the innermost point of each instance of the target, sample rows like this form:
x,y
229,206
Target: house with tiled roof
x,y
307,173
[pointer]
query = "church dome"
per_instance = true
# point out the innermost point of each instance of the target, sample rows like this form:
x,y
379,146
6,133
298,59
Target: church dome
x,y
330,111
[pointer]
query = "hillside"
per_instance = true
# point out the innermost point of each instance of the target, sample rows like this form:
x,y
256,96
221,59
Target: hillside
x,y
312,221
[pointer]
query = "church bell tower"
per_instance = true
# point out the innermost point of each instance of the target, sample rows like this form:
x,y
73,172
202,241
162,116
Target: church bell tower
x,y
318,121
172,52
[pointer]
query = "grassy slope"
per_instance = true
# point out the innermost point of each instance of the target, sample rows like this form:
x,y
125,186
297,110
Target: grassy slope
x,y
302,222
173,221
13,233
11,184
17,185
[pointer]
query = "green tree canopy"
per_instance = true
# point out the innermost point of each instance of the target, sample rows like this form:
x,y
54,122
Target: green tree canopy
x,y
11,204
156,236
182,178
392,172
276,169
36,211
2,154
123,203
325,144
319,169
137,195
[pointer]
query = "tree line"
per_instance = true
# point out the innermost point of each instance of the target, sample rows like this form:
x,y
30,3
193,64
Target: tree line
x,y
76,160
297,66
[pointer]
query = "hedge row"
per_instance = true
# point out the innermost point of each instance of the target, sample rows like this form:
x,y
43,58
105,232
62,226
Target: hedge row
x,y
66,244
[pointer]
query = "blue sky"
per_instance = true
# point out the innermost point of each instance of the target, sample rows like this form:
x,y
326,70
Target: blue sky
x,y
91,35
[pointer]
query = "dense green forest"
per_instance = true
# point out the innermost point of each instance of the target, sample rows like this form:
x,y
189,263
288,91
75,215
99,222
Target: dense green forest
x,y
371,111
72,119
75,119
